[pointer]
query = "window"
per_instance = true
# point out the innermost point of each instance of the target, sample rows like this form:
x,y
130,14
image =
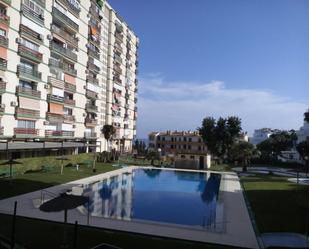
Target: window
x,y
26,84
192,157
185,139
190,139
27,124
34,7
67,111
30,45
189,147
2,32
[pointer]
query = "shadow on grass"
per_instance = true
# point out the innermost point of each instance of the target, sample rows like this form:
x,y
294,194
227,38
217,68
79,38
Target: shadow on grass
x,y
38,234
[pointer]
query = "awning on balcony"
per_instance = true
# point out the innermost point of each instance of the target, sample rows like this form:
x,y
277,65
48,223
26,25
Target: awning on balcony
x,y
28,103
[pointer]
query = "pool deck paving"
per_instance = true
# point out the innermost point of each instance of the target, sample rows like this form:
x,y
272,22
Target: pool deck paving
x,y
237,229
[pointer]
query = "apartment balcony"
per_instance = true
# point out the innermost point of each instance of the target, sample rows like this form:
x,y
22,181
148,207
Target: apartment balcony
x,y
59,134
70,102
31,14
55,98
30,34
4,19
41,2
135,108
118,48
117,69
62,66
135,100
91,66
2,109
92,80
69,87
95,41
74,9
30,54
136,81
94,54
89,122
26,92
25,132
119,36
91,94
63,51
69,118
2,86
28,73
127,96
128,56
129,47
118,58
3,64
135,89
117,80
90,135
94,13
91,108
55,82
66,21
65,35
54,117
4,41
27,113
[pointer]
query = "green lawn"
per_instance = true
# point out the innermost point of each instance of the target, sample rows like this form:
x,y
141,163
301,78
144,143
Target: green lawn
x,y
278,205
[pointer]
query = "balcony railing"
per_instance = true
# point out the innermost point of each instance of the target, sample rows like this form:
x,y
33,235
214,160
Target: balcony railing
x,y
93,11
90,79
64,19
117,69
2,86
51,133
91,94
94,54
118,58
27,113
28,132
4,19
64,67
3,64
69,102
29,33
55,82
93,67
69,38
54,117
74,9
22,91
90,134
117,80
90,122
69,87
32,14
40,2
33,74
69,118
4,41
55,98
63,51
29,53
91,108
119,36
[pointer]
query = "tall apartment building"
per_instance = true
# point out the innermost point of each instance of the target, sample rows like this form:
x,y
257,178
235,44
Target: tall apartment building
x,y
67,68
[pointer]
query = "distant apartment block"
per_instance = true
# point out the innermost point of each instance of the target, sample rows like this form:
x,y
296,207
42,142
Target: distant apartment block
x,y
261,135
303,132
185,146
67,68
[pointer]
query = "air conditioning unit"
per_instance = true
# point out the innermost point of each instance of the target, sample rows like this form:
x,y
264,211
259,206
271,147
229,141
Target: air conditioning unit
x,y
46,123
46,86
18,40
41,37
49,37
41,16
2,105
13,103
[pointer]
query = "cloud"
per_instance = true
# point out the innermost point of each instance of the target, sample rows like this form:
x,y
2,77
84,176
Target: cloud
x,y
167,105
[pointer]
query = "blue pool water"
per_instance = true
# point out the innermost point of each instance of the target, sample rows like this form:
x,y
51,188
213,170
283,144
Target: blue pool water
x,y
165,196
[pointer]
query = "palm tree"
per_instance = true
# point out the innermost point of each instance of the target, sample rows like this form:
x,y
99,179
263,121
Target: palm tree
x,y
108,131
243,152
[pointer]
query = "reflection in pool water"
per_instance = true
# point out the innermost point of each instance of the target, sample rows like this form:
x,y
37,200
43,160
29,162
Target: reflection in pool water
x,y
165,196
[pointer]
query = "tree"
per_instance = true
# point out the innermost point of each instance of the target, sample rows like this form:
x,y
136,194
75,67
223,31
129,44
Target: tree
x,y
306,116
153,155
276,143
220,135
303,150
108,131
243,152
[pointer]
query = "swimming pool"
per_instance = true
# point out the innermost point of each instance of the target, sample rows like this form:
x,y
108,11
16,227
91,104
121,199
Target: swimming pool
x,y
159,196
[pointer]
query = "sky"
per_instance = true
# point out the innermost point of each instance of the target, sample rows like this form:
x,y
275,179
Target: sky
x,y
198,58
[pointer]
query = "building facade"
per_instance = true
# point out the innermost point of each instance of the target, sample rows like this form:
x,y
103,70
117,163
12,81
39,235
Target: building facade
x,y
185,147
261,135
67,68
303,132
